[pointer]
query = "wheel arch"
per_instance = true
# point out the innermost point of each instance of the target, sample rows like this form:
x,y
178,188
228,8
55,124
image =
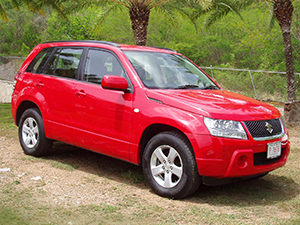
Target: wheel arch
x,y
23,107
155,129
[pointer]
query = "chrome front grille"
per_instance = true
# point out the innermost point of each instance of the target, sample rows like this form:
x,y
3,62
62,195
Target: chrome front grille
x,y
265,129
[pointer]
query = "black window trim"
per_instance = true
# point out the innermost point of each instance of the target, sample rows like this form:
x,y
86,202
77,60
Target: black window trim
x,y
59,49
34,61
83,64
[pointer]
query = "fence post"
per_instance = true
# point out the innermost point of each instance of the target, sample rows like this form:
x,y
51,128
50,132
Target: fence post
x,y
212,72
253,85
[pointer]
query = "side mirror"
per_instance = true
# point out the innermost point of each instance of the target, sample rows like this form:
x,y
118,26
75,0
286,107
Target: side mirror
x,y
114,83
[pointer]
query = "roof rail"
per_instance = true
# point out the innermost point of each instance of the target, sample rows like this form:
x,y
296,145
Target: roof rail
x,y
169,49
89,41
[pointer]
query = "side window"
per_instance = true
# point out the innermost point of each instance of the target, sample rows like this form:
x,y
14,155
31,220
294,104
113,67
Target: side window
x,y
100,63
65,62
39,61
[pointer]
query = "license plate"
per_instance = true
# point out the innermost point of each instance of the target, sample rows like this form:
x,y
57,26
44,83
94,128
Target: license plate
x,y
274,150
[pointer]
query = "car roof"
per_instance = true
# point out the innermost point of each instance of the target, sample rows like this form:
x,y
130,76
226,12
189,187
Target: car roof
x,y
95,43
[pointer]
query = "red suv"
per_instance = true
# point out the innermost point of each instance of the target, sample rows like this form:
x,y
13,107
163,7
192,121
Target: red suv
x,y
149,106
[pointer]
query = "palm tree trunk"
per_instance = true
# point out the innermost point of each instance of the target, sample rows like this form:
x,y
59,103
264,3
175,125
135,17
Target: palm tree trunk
x,y
139,16
283,10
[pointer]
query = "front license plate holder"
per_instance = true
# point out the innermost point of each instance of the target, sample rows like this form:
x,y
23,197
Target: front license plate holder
x,y
274,150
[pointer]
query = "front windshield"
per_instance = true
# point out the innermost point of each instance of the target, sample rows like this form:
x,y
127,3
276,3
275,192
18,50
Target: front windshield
x,y
168,71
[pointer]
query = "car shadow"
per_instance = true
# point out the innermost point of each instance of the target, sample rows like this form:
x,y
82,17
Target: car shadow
x,y
267,190
74,158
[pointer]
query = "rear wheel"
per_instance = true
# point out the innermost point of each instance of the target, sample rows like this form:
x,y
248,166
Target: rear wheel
x,y
169,166
32,135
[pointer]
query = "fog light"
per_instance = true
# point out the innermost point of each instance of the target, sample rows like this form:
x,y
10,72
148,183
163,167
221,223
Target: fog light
x,y
242,161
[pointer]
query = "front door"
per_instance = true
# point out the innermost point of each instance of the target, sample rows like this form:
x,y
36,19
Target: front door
x,y
103,116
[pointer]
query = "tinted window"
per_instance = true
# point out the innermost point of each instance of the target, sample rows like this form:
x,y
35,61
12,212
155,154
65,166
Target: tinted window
x,y
65,62
39,61
100,63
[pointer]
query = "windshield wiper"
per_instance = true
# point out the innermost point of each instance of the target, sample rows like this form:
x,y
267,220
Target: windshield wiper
x,y
210,87
187,86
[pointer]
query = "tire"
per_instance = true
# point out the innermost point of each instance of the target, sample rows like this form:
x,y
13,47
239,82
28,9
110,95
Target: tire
x,y
32,134
170,167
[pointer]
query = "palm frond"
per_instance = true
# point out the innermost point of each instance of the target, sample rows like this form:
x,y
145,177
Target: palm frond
x,y
79,5
192,11
105,14
154,4
168,12
242,4
272,19
221,8
38,6
3,13
15,4
215,16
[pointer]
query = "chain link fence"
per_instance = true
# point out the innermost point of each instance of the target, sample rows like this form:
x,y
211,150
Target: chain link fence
x,y
258,84
262,85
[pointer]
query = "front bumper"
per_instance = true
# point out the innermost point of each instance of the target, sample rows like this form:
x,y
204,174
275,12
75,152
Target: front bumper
x,y
231,158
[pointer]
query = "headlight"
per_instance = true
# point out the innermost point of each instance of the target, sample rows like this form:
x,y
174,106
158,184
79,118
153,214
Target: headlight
x,y
225,128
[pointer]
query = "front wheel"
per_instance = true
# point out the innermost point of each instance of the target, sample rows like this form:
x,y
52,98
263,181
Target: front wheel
x,y
32,135
169,166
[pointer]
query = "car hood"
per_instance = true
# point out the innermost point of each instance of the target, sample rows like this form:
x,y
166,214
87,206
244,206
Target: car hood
x,y
218,104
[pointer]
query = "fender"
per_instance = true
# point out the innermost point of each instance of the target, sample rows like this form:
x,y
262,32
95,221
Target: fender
x,y
156,113
28,94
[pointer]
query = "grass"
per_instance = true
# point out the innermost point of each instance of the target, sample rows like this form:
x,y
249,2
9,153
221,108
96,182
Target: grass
x,y
274,199
7,126
10,216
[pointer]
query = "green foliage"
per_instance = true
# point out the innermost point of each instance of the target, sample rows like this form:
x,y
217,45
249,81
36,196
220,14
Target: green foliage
x,y
81,26
21,33
247,43
230,42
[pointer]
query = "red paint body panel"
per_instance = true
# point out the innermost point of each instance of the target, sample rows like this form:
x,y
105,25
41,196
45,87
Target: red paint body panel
x,y
113,122
217,104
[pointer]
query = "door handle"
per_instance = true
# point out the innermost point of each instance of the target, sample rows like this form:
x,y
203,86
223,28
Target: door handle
x,y
40,84
80,93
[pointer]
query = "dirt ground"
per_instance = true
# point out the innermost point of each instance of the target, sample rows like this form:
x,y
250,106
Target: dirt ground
x,y
71,176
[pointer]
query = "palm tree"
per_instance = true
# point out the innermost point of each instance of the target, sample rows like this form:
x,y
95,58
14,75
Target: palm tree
x,y
282,10
139,11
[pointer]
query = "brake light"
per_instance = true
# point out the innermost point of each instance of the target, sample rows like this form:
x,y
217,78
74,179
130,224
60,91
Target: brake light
x,y
16,79
17,75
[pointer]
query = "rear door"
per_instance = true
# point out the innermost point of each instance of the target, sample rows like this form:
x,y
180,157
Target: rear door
x,y
56,85
103,117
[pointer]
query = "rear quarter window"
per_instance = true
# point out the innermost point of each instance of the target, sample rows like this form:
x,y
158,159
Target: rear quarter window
x,y
37,64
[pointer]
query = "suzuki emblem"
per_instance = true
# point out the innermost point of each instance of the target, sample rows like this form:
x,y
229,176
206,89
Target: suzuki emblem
x,y
269,127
